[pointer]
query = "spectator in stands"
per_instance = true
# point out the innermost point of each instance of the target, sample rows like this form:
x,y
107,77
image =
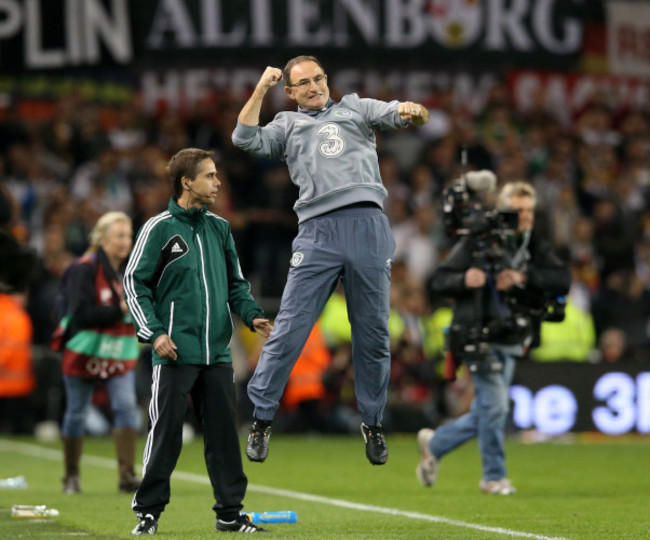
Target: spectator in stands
x,y
624,303
642,260
612,346
104,182
419,245
410,398
614,237
272,226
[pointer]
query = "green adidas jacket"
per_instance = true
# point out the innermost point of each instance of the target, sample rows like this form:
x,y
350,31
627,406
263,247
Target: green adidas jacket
x,y
182,279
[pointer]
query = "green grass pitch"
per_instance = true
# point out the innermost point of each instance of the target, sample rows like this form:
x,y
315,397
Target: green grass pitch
x,y
580,490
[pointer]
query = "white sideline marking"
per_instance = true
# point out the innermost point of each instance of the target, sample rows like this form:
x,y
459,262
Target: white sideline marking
x,y
56,455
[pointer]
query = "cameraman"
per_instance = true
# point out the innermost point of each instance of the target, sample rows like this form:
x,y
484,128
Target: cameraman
x,y
494,323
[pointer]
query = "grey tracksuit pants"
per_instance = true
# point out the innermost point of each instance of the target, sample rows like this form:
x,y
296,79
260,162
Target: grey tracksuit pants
x,y
354,244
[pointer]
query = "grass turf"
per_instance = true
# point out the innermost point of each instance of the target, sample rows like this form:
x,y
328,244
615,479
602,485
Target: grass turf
x,y
580,491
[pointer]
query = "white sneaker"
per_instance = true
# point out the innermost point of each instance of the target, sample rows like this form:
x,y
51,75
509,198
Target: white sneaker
x,y
427,470
497,487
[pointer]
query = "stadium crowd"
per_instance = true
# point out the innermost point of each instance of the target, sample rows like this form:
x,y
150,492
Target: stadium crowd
x,y
63,170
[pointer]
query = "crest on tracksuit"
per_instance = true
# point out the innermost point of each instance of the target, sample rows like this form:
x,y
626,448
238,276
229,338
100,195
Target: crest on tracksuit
x,y
297,258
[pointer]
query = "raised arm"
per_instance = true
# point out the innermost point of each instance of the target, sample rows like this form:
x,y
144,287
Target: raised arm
x,y
250,113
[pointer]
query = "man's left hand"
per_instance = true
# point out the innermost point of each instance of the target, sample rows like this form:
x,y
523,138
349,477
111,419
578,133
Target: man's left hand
x,y
262,327
509,278
416,114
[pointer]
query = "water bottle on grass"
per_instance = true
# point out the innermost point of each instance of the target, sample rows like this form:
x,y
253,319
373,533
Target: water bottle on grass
x,y
32,511
18,482
287,516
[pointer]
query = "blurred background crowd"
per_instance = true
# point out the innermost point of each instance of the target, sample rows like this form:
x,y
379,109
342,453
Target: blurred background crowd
x,y
66,161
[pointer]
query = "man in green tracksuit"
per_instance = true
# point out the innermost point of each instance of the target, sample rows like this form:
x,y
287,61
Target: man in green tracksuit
x,y
182,280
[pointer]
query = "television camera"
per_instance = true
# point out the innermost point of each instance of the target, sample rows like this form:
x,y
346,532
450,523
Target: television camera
x,y
492,236
464,215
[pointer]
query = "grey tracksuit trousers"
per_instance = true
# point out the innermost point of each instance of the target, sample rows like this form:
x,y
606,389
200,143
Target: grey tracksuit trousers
x,y
354,244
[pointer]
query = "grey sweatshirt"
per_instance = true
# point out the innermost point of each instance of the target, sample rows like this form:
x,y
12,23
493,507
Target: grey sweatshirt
x,y
331,153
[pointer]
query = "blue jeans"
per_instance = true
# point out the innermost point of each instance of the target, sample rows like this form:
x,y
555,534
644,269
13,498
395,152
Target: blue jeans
x,y
79,393
485,420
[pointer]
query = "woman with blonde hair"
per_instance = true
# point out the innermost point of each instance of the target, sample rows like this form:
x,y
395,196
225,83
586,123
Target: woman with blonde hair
x,y
97,338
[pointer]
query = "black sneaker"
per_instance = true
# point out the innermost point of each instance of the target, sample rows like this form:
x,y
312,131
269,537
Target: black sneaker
x,y
242,524
148,525
376,449
257,447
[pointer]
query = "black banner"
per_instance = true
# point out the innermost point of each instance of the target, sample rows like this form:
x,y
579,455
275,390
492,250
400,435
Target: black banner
x,y
65,34
406,31
68,34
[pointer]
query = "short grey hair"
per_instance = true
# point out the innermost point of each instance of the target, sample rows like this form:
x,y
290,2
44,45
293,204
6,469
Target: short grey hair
x,y
516,189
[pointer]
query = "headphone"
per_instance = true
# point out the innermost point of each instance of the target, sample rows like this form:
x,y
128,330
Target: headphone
x,y
187,185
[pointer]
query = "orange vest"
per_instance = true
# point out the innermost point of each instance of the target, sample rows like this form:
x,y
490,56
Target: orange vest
x,y
305,382
16,377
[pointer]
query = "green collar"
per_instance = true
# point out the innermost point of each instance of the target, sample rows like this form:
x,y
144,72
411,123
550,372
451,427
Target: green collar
x,y
189,215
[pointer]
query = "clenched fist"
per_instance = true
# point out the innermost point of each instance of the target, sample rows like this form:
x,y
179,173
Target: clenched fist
x,y
270,77
416,114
